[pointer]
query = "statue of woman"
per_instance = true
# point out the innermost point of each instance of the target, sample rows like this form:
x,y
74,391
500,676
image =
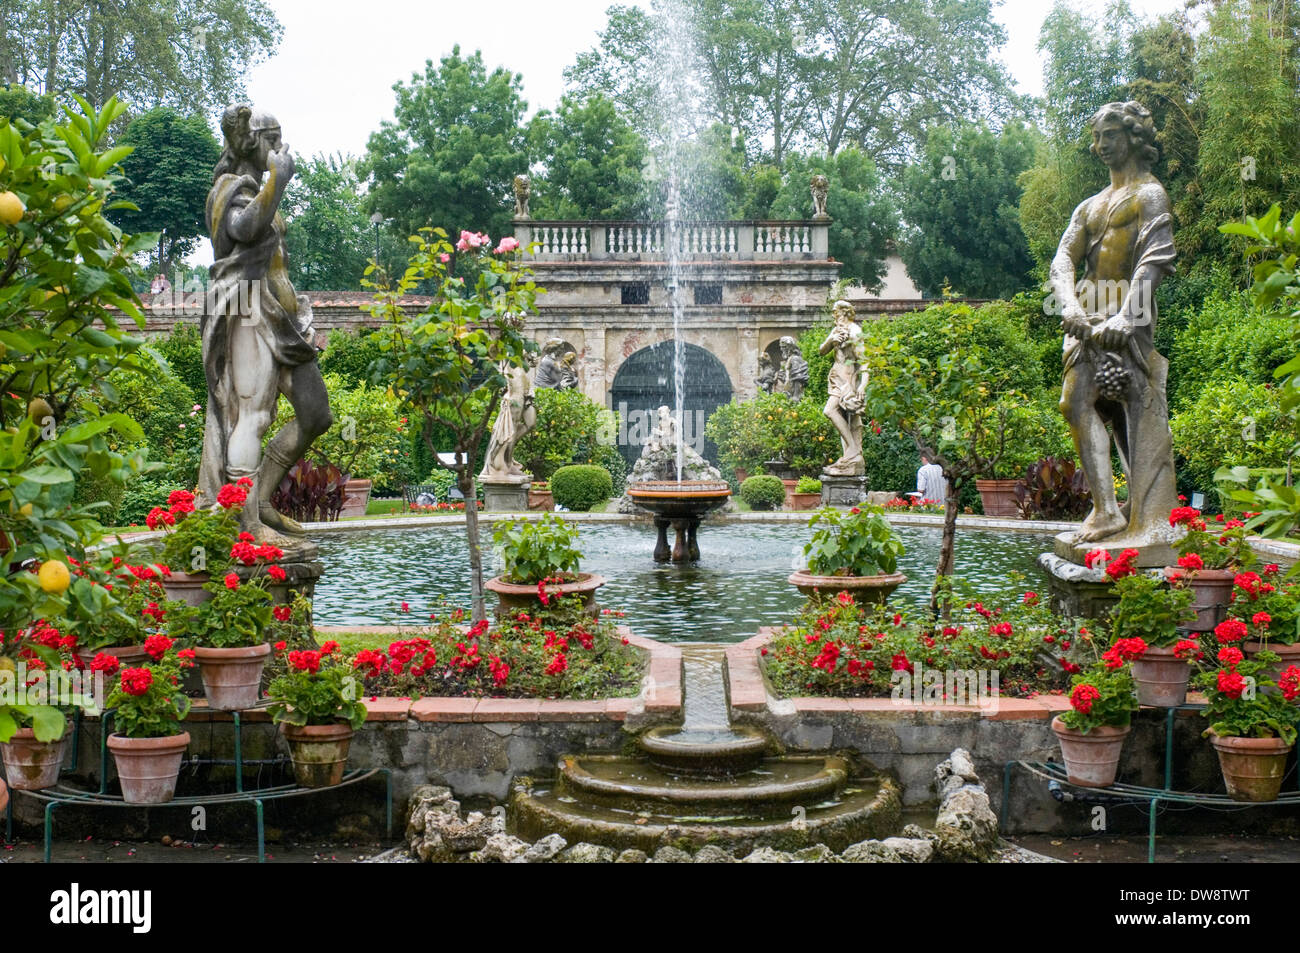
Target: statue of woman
x,y
517,416
846,389
258,340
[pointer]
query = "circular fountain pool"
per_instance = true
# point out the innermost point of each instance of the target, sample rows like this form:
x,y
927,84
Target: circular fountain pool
x,y
738,585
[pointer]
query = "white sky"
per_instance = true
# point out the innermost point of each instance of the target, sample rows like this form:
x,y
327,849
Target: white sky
x,y
331,82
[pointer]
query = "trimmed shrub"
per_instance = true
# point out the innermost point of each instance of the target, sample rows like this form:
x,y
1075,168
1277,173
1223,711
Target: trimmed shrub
x,y
763,492
183,352
142,495
581,486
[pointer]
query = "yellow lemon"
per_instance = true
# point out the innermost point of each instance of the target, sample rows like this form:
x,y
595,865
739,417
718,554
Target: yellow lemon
x,y
11,209
54,576
25,510
7,665
62,202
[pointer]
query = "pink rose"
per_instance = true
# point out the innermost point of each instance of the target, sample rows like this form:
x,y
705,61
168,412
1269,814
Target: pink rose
x,y
509,243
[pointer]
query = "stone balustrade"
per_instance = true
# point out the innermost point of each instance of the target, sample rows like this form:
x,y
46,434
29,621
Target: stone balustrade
x,y
637,241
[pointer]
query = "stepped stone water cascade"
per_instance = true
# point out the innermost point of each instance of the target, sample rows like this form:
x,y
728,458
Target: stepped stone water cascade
x,y
707,782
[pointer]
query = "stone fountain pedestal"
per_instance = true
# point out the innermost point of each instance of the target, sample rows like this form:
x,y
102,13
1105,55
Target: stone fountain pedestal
x,y
843,490
505,496
680,506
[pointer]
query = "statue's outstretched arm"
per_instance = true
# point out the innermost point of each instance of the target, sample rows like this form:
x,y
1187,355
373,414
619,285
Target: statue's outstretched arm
x,y
1065,266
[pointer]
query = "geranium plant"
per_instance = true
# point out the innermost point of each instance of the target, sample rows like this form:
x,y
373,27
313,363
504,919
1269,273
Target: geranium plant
x,y
237,614
148,701
859,543
537,550
1267,604
1103,695
199,540
1150,610
1220,545
1237,706
318,687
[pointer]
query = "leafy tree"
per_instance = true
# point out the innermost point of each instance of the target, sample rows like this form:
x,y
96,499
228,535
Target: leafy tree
x,y
328,227
18,102
190,54
169,173
451,153
449,363
865,219
594,161
571,428
961,203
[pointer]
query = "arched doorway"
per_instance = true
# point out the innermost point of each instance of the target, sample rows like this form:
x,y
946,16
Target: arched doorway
x,y
644,382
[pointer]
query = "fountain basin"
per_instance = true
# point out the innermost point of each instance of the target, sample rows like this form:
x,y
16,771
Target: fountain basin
x,y
717,753
680,505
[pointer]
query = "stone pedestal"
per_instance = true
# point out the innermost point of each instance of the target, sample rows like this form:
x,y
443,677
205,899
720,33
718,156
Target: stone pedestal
x,y
1079,591
502,497
300,576
686,545
843,490
1151,555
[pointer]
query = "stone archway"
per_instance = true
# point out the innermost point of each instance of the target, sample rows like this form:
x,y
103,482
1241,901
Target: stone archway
x,y
644,382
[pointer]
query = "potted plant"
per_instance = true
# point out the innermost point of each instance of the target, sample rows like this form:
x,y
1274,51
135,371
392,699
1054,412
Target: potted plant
x,y
540,496
148,707
1252,730
1209,559
1266,607
1150,612
33,730
1092,732
197,540
227,635
807,493
315,704
540,560
856,552
140,612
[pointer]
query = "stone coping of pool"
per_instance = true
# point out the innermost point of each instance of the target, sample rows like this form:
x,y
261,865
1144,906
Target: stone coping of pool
x,y
751,692
661,695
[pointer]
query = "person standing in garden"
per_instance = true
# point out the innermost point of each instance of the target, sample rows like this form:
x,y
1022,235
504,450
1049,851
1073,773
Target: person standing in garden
x,y
1123,236
930,482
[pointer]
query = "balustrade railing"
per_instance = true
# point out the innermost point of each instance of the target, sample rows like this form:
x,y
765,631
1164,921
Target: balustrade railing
x,y
590,241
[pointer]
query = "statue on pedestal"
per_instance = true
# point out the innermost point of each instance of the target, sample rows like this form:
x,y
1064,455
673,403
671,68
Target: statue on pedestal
x,y
516,417
569,371
846,389
766,380
523,192
819,186
550,373
258,342
1123,237
794,369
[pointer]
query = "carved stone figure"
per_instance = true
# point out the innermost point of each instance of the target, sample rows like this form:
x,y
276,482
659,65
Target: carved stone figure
x,y
258,342
523,191
550,374
658,460
794,369
569,371
820,186
1123,237
517,416
846,389
766,374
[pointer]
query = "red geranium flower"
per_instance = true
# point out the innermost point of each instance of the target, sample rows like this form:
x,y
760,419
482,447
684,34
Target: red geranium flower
x,y
1230,630
1082,697
232,581
136,681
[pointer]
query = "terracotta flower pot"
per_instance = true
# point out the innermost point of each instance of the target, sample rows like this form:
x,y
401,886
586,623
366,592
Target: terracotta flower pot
x,y
789,493
32,765
4,795
187,587
1290,655
130,656
1091,759
1253,768
1211,593
356,496
512,597
863,588
805,501
232,678
540,497
147,767
319,752
999,498
1161,677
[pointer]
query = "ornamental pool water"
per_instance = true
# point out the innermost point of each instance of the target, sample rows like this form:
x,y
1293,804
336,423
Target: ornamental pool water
x,y
738,585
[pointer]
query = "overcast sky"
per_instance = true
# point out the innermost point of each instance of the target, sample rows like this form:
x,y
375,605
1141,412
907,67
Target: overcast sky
x,y
331,82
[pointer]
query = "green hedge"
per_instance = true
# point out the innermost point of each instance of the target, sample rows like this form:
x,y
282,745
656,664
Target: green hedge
x,y
763,492
581,486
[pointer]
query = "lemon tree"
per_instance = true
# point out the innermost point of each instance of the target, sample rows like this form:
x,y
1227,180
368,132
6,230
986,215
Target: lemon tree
x,y
65,295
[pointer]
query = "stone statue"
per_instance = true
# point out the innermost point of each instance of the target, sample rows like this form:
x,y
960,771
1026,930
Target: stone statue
x,y
820,186
569,371
549,372
766,373
258,340
517,416
1123,236
794,369
523,191
846,389
658,460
